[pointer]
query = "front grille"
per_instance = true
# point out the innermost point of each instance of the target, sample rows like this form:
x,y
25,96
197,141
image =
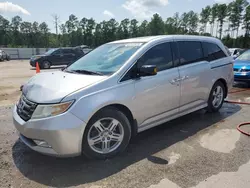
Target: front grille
x,y
241,70
25,108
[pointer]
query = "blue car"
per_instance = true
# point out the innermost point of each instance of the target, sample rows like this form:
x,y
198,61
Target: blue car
x,y
242,68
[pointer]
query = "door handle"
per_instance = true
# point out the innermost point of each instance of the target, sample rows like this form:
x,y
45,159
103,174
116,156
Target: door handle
x,y
172,82
184,78
175,81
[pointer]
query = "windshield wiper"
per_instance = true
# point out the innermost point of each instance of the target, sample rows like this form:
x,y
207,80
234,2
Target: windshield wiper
x,y
87,72
69,71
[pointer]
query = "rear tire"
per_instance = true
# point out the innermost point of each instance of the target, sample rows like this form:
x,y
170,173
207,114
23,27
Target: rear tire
x,y
216,97
107,134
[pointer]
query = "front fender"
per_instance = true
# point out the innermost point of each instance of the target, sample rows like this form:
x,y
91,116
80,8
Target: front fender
x,y
88,105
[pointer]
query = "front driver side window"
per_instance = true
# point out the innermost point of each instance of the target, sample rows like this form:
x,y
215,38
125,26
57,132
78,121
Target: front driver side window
x,y
57,52
160,55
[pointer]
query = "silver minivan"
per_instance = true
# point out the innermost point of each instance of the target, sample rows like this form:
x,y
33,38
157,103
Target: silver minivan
x,y
121,88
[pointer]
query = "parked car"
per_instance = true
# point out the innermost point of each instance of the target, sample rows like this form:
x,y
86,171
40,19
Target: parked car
x,y
235,52
4,56
58,56
120,89
242,68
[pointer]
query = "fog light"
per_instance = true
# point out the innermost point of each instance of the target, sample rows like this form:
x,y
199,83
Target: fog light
x,y
42,143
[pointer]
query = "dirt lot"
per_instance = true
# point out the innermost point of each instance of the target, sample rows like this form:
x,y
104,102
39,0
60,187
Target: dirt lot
x,y
198,150
12,75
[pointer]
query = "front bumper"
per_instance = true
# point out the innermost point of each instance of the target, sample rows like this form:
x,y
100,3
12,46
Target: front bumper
x,y
63,133
32,63
242,77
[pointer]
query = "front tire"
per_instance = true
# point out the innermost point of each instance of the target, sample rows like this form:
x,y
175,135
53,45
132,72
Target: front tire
x,y
107,134
216,97
45,65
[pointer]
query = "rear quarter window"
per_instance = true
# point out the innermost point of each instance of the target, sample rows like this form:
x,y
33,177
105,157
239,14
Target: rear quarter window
x,y
212,51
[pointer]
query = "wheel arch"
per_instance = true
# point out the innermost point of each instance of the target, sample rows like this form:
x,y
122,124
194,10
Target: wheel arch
x,y
46,59
127,112
223,81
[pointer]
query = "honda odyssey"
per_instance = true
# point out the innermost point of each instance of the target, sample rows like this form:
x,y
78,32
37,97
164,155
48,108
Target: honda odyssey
x,y
95,105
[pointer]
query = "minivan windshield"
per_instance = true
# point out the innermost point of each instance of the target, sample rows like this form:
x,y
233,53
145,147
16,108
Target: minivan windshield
x,y
245,56
106,59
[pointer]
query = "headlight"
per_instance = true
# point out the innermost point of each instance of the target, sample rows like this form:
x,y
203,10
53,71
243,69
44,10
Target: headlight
x,y
43,111
35,58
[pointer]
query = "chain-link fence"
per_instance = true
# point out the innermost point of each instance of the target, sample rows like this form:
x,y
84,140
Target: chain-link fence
x,y
24,53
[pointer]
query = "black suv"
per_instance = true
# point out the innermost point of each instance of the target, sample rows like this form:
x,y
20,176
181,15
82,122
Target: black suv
x,y
58,56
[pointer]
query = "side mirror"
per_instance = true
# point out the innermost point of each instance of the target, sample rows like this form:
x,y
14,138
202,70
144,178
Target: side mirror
x,y
147,70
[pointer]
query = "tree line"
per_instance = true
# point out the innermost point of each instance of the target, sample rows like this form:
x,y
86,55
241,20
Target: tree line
x,y
224,21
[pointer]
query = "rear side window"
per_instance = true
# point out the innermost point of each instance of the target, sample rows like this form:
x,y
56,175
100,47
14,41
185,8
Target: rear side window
x,y
212,51
190,52
160,55
67,51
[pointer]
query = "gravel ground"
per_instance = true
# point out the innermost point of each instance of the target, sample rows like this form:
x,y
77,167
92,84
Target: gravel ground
x,y
197,150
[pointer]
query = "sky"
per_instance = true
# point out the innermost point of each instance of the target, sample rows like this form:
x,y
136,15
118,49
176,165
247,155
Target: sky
x,y
35,10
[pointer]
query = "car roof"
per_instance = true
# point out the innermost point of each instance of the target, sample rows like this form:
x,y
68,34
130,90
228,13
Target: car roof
x,y
234,48
246,50
65,48
138,39
158,37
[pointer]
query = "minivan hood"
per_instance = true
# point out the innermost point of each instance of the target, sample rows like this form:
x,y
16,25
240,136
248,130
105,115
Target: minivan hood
x,y
240,64
52,87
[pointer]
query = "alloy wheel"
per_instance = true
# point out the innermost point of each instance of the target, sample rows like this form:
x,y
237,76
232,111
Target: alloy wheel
x,y
105,135
217,96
